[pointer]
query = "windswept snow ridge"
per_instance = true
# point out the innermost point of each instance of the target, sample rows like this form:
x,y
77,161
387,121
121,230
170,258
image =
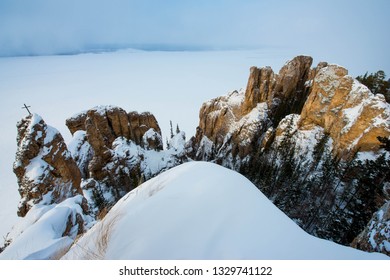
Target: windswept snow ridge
x,y
200,210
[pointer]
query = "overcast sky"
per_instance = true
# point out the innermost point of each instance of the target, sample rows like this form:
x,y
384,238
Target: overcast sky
x,y
333,29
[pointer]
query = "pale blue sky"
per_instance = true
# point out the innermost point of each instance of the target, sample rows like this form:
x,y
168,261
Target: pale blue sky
x,y
333,29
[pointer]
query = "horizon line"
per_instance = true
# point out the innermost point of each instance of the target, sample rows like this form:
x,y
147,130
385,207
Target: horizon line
x,y
149,47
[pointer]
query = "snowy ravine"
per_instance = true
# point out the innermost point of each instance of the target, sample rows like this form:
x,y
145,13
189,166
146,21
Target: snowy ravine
x,y
200,210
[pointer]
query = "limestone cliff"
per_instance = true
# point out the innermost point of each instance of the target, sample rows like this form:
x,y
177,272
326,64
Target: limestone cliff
x,y
102,126
112,122
116,151
346,110
284,93
44,168
224,129
324,97
233,123
309,139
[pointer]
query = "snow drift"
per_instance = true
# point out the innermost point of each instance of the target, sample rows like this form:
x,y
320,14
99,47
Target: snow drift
x,y
200,210
46,232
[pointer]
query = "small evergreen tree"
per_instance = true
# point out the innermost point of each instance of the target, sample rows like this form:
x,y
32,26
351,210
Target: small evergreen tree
x,y
7,242
168,146
170,123
377,83
177,129
385,143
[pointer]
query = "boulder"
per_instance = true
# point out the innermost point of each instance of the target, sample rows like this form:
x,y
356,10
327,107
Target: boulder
x,y
376,235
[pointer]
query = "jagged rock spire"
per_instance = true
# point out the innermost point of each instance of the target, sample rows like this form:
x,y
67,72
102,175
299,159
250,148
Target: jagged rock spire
x,y
44,168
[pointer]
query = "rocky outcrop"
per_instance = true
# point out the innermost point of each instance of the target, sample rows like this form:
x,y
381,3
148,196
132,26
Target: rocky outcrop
x,y
140,124
260,88
116,151
284,93
104,124
65,190
347,111
111,122
44,168
376,235
234,122
223,129
324,97
308,138
81,151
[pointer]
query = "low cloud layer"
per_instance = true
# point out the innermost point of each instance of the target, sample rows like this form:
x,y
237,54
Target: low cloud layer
x,y
321,28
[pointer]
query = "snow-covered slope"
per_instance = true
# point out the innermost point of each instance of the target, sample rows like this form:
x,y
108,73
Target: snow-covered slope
x,y
47,231
200,210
